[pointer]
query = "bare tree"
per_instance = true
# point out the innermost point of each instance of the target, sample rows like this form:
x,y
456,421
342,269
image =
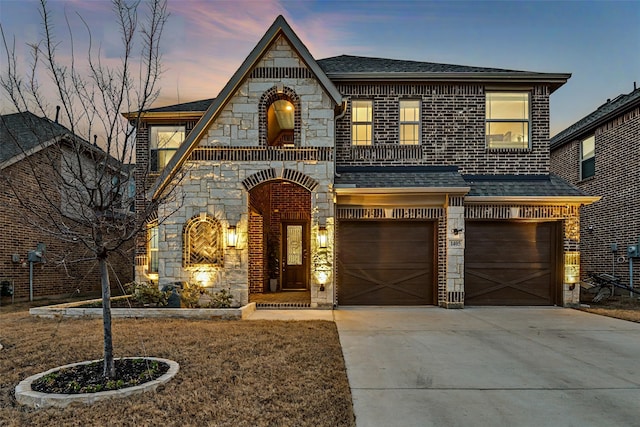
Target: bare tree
x,y
93,177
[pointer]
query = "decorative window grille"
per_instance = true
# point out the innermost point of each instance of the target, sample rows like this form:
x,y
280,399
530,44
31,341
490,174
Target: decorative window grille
x,y
202,242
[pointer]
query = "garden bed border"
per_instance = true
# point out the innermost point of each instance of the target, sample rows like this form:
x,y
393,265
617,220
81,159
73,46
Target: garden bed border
x,y
36,399
73,310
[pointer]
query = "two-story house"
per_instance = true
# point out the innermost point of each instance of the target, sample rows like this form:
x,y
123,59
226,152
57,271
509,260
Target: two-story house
x,y
362,181
37,160
599,155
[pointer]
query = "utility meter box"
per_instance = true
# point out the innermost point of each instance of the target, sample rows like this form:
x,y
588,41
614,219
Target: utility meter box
x,y
632,251
36,256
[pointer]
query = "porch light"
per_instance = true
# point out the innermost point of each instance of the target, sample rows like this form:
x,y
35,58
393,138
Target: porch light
x,y
571,268
322,237
232,236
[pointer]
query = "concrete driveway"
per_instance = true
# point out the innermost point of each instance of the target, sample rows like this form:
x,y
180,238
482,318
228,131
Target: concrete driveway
x,y
490,367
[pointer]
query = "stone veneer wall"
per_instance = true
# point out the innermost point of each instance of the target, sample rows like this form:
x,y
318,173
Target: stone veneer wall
x,y
216,187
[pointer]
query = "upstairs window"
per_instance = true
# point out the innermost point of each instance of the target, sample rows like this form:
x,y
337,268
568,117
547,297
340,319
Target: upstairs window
x,y
163,144
280,124
508,120
410,122
361,122
588,157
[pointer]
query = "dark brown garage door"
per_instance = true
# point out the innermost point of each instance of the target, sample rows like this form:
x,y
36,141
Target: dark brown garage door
x,y
385,263
511,263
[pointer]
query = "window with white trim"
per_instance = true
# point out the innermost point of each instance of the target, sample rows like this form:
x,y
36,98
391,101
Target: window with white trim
x,y
410,122
588,157
163,144
508,120
361,122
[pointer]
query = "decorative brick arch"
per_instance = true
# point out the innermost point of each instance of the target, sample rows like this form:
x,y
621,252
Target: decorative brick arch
x,y
269,97
271,174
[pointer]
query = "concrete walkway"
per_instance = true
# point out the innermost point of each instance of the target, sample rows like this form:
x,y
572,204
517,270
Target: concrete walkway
x,y
490,367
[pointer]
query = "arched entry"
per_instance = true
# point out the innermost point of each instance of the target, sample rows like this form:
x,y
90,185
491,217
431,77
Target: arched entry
x,y
279,233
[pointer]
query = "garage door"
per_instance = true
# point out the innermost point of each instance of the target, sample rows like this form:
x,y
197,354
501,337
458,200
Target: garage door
x,y
511,263
385,263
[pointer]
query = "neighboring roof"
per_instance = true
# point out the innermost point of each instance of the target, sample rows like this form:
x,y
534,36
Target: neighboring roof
x,y
24,134
279,27
27,130
200,105
347,67
612,108
399,177
520,186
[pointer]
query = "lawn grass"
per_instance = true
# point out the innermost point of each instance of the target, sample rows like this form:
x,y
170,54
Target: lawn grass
x,y
620,307
232,373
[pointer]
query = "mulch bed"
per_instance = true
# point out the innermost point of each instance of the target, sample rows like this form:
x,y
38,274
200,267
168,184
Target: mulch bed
x,y
89,379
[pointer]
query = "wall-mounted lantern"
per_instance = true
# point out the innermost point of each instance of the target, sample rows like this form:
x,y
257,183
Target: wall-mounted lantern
x,y
232,236
571,268
322,237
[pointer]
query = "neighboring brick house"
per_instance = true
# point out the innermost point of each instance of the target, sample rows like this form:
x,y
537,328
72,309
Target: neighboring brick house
x,y
363,181
29,145
599,154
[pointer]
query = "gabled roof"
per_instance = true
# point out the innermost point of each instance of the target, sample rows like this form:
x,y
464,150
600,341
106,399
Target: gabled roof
x,y
360,68
279,27
25,132
612,108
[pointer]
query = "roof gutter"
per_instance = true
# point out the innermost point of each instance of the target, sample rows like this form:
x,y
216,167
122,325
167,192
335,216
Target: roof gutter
x,y
340,190
537,200
555,79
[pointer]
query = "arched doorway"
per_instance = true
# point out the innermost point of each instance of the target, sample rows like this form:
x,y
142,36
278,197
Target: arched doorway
x,y
279,239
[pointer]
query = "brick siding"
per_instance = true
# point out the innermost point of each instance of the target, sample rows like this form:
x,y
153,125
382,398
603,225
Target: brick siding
x,y
453,129
61,274
614,219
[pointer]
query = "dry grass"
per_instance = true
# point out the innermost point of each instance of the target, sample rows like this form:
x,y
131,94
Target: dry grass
x,y
233,373
620,307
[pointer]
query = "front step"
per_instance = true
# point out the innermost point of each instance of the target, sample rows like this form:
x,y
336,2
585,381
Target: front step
x,y
282,305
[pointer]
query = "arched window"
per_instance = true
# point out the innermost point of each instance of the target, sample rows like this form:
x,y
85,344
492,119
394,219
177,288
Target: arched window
x,y
279,109
202,242
280,123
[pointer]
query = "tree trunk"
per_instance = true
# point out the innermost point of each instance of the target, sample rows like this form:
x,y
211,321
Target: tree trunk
x,y
109,368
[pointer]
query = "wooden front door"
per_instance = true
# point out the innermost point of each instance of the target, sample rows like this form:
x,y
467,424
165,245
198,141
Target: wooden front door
x,y
295,255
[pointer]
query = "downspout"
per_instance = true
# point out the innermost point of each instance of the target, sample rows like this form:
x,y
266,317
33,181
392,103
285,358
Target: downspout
x,y
336,174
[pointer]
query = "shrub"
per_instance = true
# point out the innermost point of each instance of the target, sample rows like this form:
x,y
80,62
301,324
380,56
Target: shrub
x,y
190,294
222,299
147,293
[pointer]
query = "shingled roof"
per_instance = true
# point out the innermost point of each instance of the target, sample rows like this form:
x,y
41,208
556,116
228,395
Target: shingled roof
x,y
360,68
193,106
22,132
399,176
612,108
362,64
520,186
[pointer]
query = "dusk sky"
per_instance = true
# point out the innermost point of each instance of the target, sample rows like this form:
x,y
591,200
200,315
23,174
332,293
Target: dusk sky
x,y
206,41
